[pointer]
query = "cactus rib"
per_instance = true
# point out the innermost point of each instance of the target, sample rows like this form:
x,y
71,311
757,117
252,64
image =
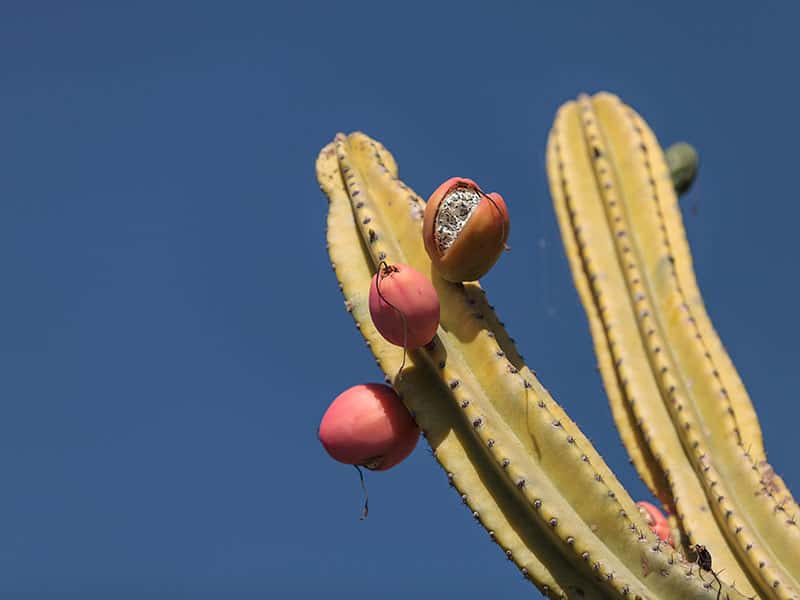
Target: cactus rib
x,y
554,478
627,180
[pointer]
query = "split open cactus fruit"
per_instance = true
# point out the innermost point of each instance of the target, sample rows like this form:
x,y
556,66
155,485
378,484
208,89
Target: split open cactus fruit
x,y
464,229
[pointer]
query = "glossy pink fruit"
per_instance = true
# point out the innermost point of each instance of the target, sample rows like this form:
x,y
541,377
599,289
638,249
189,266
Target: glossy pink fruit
x,y
368,425
656,520
407,291
464,229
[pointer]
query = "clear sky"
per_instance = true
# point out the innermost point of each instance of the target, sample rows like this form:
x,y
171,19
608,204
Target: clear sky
x,y
170,329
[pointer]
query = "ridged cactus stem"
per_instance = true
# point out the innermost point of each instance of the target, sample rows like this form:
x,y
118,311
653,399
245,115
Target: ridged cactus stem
x,y
521,465
619,210
627,375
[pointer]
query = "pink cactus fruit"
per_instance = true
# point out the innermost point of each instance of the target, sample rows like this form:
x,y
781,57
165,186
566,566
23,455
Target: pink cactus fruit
x,y
368,425
404,306
657,521
464,229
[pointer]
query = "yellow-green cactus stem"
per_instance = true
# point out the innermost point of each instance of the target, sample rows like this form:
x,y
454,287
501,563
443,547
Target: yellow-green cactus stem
x,y
626,376
612,182
525,470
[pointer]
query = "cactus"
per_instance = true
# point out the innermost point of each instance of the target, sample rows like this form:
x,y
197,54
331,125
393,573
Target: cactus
x,y
678,402
522,467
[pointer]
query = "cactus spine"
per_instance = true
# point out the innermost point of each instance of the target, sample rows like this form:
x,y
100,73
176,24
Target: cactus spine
x,y
521,465
678,402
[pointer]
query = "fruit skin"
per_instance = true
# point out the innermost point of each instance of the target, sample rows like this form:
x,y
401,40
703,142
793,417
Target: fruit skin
x,y
368,425
410,292
479,243
657,521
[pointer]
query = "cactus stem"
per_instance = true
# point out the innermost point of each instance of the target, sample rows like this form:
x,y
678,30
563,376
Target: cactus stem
x,y
564,526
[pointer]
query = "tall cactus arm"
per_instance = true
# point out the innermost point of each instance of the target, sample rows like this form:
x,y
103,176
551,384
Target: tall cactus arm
x,y
669,365
522,466
582,219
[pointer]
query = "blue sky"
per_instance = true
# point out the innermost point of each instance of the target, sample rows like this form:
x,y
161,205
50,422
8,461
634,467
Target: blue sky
x,y
170,329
